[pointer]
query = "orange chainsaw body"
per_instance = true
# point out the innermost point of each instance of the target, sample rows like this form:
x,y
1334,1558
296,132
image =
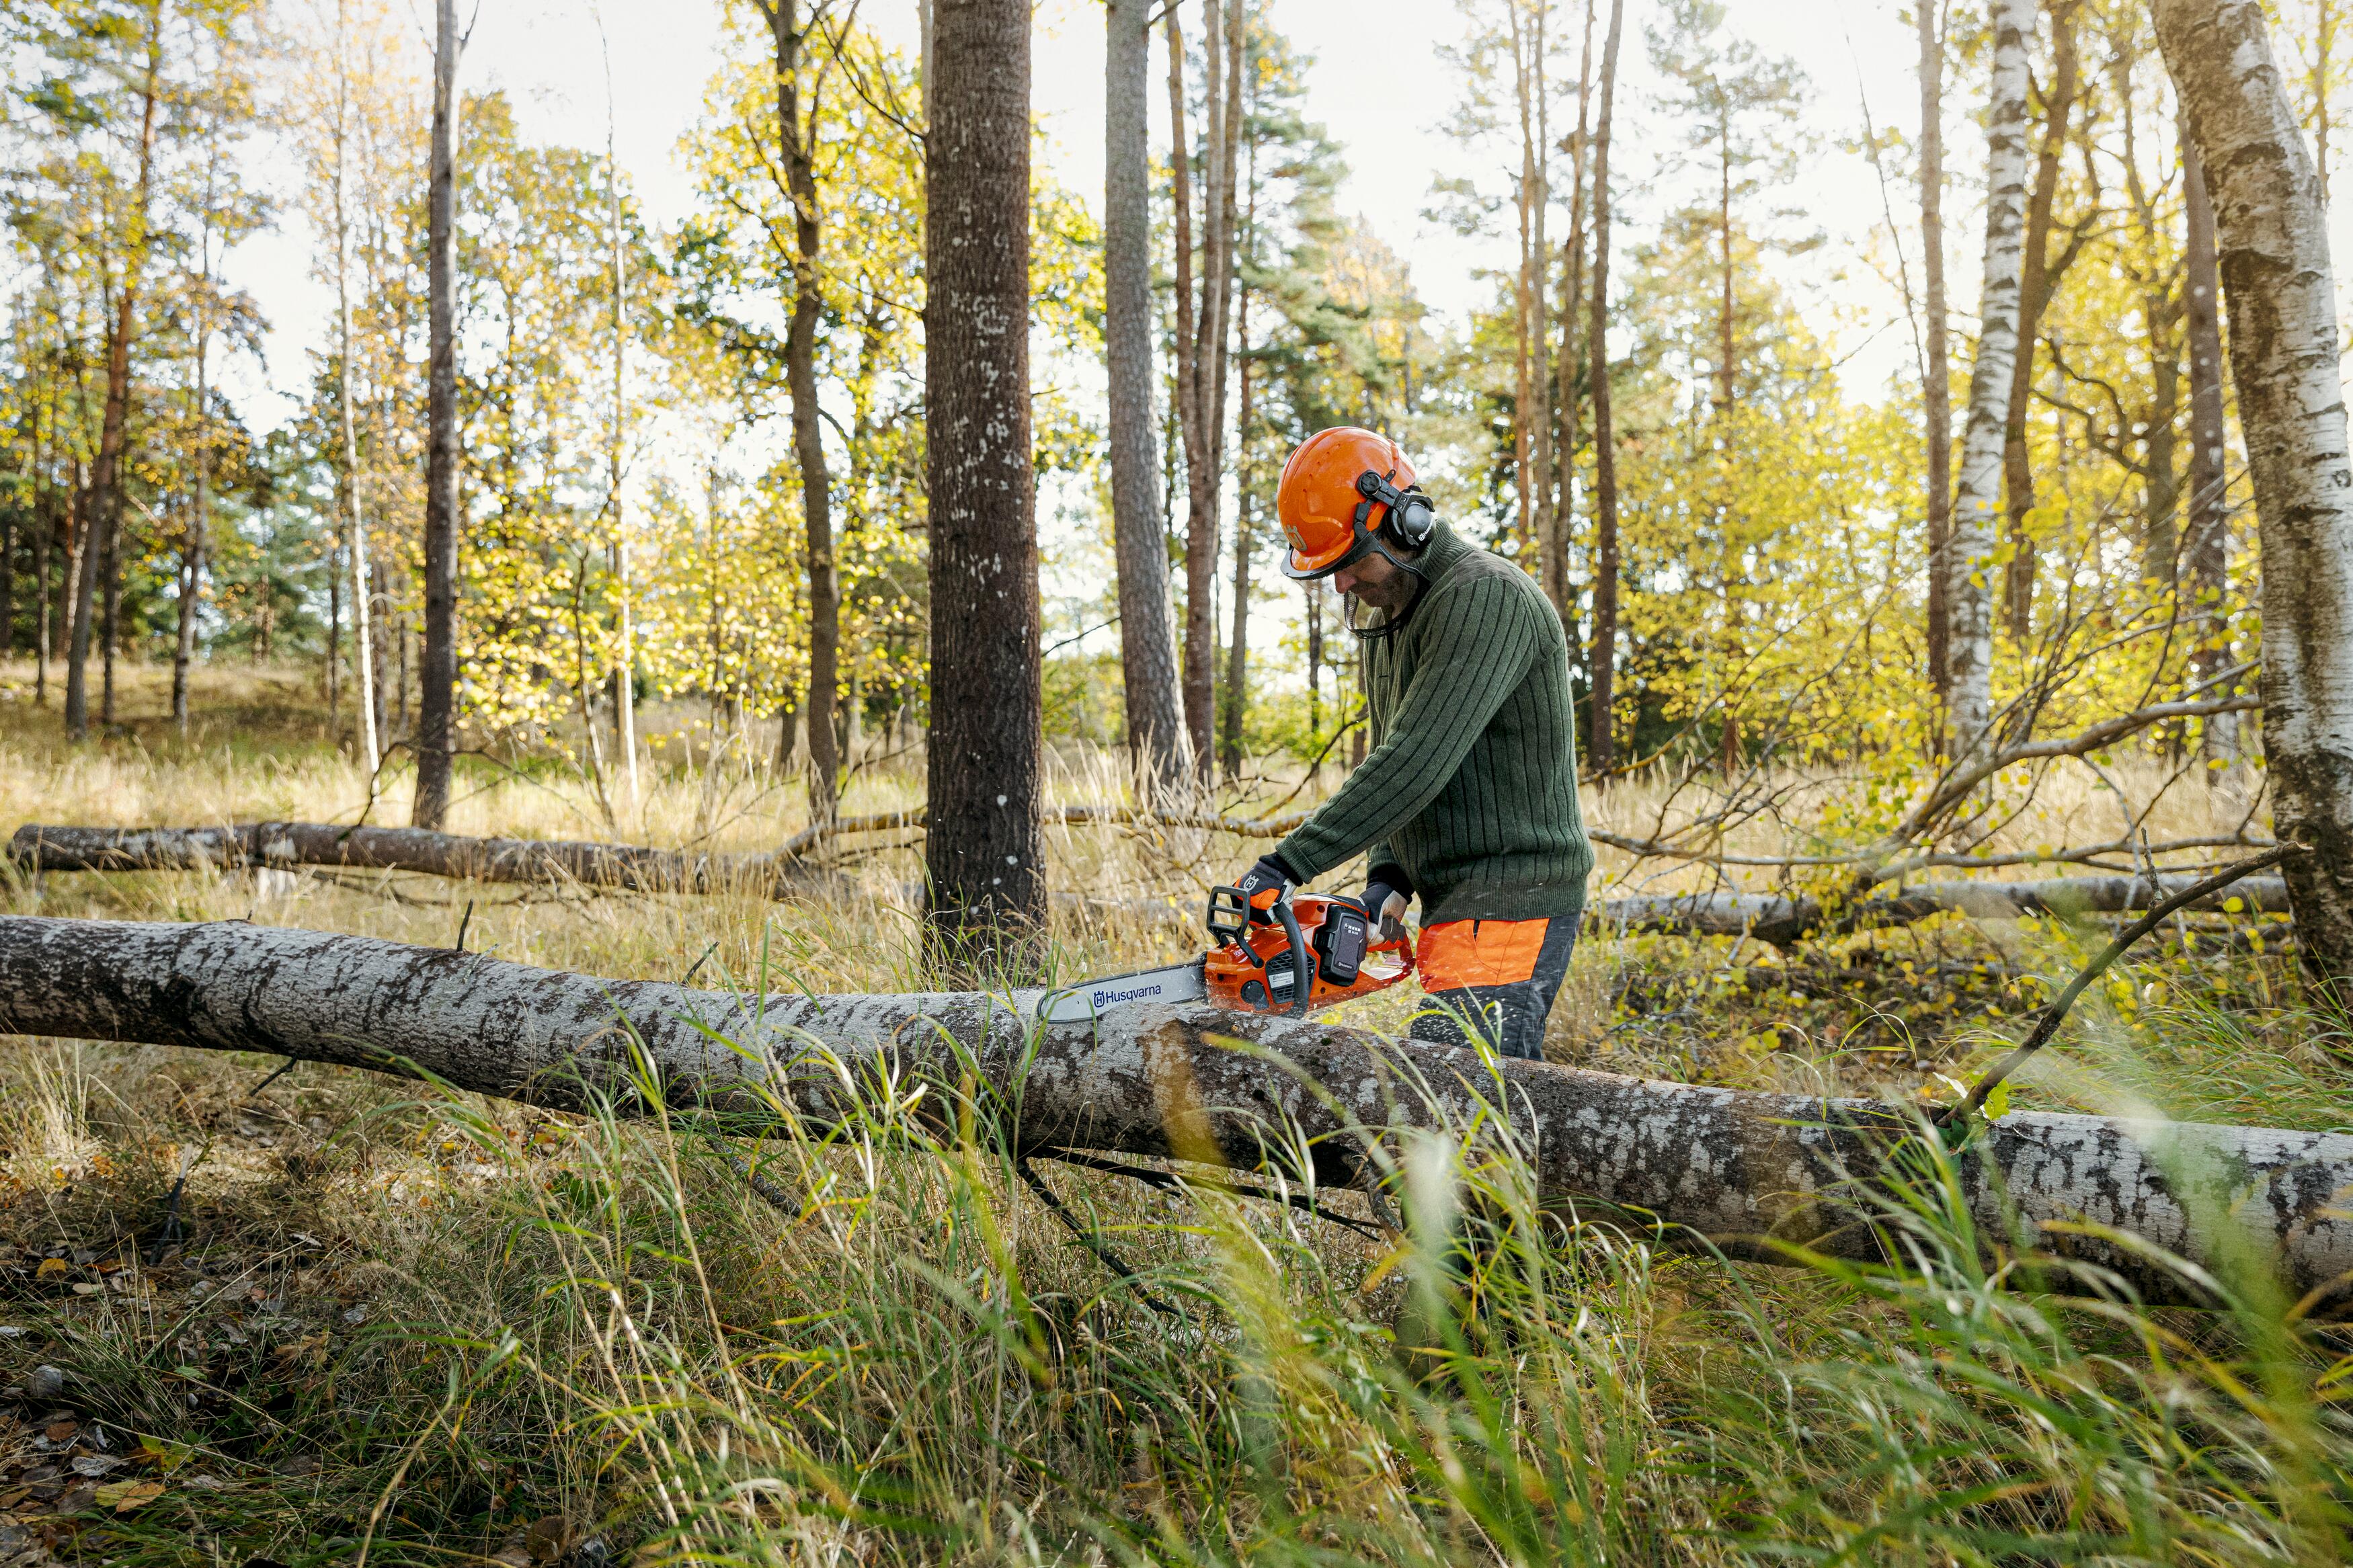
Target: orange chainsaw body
x,y
1251,968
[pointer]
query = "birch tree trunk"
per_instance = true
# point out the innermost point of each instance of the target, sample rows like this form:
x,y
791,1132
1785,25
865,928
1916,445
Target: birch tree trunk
x,y
1977,510
2271,246
1936,393
1159,748
436,701
625,656
1735,1167
985,855
354,518
1603,752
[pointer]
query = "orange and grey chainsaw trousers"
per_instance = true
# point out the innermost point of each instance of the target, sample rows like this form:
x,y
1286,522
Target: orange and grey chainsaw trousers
x,y
1498,977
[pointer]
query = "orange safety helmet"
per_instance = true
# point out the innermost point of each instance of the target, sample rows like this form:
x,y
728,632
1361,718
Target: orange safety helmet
x,y
1340,490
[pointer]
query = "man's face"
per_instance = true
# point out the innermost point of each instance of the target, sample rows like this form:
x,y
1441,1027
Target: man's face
x,y
1377,580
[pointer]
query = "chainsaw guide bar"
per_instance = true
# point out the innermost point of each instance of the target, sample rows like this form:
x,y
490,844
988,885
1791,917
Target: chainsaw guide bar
x,y
1264,945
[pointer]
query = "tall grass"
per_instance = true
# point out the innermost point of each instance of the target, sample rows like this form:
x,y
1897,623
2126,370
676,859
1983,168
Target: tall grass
x,y
418,1327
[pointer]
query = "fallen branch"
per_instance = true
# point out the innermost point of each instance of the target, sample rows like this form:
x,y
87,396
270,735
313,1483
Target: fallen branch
x,y
1746,1169
287,844
1770,917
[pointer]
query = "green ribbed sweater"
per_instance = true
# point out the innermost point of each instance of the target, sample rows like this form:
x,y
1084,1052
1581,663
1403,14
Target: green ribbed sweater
x,y
1469,788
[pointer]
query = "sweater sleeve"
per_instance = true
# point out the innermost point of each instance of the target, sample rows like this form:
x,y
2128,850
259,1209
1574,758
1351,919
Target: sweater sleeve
x,y
1476,646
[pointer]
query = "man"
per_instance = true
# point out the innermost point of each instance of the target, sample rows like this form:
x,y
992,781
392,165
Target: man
x,y
1468,796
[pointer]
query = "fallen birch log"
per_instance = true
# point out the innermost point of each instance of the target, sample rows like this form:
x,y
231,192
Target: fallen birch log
x,y
1160,1082
285,844
1783,921
1768,917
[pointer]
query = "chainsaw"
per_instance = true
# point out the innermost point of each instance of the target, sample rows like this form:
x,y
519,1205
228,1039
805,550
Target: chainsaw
x,y
1257,965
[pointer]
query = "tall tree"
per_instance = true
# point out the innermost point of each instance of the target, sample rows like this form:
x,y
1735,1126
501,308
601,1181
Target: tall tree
x,y
191,553
1532,199
1736,107
2206,552
1159,747
1572,296
1970,574
785,28
1202,342
130,242
346,411
2271,246
437,702
2039,279
1937,393
1603,752
625,656
984,851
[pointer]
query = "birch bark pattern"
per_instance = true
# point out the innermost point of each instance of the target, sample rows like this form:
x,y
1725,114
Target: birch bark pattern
x,y
2272,253
355,519
1977,510
1159,747
1937,394
1602,754
985,855
436,699
1734,1166
625,659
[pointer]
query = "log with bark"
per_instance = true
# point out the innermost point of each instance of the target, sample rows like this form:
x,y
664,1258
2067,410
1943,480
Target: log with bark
x,y
1770,917
1744,1169
285,844
1783,920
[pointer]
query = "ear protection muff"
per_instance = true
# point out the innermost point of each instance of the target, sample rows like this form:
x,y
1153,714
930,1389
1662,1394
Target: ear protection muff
x,y
1410,519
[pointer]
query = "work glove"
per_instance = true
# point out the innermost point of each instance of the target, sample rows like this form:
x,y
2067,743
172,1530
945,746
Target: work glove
x,y
1386,899
1268,872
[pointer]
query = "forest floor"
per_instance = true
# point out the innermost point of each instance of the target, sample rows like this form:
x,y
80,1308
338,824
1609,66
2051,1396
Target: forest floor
x,y
380,1321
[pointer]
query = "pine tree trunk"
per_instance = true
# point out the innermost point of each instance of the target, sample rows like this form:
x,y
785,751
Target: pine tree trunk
x,y
1159,748
985,854
1531,416
1237,694
1937,394
2206,556
1558,517
1201,354
1978,508
808,443
2037,281
437,717
1603,752
2272,241
102,505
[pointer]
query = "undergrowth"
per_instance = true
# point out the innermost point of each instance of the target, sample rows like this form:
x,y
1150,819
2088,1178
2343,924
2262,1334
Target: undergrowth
x,y
329,1317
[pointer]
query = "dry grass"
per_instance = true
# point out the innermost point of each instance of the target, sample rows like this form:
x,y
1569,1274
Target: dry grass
x,y
420,1327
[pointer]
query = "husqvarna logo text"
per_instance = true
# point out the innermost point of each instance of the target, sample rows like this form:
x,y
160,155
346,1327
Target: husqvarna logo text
x,y
1107,998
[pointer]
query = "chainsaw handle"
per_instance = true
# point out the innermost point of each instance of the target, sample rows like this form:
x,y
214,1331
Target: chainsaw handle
x,y
1302,977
